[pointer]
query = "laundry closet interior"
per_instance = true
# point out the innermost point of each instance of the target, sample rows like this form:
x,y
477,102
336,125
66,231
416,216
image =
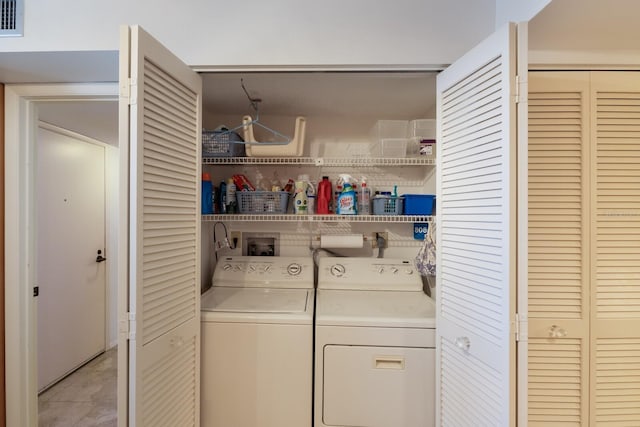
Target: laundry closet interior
x,y
341,110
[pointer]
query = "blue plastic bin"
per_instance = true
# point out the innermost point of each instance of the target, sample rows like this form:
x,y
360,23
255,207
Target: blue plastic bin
x,y
418,204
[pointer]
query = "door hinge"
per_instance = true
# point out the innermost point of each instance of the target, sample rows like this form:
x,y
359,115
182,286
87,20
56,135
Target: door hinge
x,y
132,326
127,91
521,90
521,327
128,326
36,291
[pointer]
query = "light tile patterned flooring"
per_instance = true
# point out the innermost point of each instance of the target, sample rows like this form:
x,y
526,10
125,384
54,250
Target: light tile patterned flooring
x,y
86,398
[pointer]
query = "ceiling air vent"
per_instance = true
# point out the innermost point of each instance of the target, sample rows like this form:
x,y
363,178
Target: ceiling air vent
x,y
11,13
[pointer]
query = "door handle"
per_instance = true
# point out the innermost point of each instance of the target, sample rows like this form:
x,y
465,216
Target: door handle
x,y
100,258
557,332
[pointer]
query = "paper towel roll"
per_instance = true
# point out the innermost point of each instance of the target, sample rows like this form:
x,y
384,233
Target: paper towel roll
x,y
342,241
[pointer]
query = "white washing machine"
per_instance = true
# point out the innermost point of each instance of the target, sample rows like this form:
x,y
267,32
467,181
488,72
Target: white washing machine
x,y
257,343
375,345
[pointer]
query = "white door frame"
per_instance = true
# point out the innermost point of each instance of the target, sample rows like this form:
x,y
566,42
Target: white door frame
x,y
20,315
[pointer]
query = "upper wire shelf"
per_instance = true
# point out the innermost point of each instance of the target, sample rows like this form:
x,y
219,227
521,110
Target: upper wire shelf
x,y
319,161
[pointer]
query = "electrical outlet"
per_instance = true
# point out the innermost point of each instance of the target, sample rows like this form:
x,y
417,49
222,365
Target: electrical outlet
x,y
236,239
374,240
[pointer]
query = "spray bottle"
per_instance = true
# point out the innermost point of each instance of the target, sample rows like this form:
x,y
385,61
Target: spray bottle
x,y
364,198
347,198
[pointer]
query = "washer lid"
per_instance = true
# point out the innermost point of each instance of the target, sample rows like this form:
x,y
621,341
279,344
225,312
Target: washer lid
x,y
375,308
255,300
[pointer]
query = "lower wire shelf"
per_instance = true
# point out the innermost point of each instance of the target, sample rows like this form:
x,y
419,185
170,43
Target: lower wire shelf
x,y
316,218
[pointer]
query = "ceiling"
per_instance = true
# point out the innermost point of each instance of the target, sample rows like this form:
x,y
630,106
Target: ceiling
x,y
94,119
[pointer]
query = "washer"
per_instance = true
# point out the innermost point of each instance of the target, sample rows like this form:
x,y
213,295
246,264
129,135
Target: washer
x,y
257,343
375,345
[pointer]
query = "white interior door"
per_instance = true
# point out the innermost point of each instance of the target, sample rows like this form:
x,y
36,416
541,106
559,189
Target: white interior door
x,y
70,211
476,279
160,125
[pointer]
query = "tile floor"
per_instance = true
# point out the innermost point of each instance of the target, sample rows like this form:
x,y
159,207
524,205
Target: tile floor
x,y
86,398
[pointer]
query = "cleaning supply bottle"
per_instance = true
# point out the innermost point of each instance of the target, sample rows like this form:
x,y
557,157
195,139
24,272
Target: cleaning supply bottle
x,y
232,204
300,198
347,198
207,194
311,198
325,195
364,198
311,193
337,191
223,197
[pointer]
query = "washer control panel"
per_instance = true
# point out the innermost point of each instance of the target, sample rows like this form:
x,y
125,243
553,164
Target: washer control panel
x,y
368,274
249,271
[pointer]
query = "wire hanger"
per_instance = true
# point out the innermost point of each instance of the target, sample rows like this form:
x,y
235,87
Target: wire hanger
x,y
248,123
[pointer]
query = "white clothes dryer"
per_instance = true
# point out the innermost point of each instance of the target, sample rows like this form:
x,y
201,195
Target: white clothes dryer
x,y
257,343
375,345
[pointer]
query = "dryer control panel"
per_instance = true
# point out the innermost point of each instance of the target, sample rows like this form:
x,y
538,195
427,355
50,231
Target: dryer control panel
x,y
380,274
264,272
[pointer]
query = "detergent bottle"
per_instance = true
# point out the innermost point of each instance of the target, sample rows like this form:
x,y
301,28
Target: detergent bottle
x,y
325,195
300,198
207,194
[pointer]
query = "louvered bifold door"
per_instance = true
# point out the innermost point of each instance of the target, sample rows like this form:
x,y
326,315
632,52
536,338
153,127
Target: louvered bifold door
x,y
558,267
615,275
476,236
164,98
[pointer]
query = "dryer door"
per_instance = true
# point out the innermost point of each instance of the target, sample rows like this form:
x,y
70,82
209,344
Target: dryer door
x,y
379,386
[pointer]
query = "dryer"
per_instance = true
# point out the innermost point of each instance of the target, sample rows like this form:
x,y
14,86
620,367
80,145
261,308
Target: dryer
x,y
374,345
257,343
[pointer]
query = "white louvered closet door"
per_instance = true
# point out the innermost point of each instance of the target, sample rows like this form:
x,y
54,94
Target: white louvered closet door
x,y
558,269
163,149
476,211
615,253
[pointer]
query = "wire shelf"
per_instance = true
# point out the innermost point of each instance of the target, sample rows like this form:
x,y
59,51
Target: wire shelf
x,y
318,218
320,161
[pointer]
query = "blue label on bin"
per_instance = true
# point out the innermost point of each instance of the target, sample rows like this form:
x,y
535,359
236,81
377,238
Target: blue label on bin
x,y
420,230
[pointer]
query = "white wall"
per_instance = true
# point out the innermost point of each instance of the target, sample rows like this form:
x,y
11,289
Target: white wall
x,y
517,10
277,32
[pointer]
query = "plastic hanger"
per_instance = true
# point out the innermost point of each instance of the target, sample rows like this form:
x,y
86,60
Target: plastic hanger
x,y
248,123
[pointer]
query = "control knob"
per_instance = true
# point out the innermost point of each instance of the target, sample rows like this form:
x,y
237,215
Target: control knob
x,y
337,270
294,269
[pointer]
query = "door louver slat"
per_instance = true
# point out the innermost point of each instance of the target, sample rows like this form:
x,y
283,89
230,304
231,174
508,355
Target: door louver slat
x,y
555,206
472,277
555,378
615,315
160,128
476,234
162,200
558,260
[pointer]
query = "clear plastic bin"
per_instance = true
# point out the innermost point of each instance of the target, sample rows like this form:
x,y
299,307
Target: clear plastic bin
x,y
389,129
391,147
422,128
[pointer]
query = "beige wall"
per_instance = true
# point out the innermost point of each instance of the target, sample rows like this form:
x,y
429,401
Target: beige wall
x,y
2,385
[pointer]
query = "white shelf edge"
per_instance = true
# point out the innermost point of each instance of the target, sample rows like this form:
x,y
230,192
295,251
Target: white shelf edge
x,y
320,161
316,218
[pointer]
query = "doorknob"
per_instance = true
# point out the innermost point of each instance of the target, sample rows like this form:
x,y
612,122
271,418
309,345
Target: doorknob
x,y
557,332
100,258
